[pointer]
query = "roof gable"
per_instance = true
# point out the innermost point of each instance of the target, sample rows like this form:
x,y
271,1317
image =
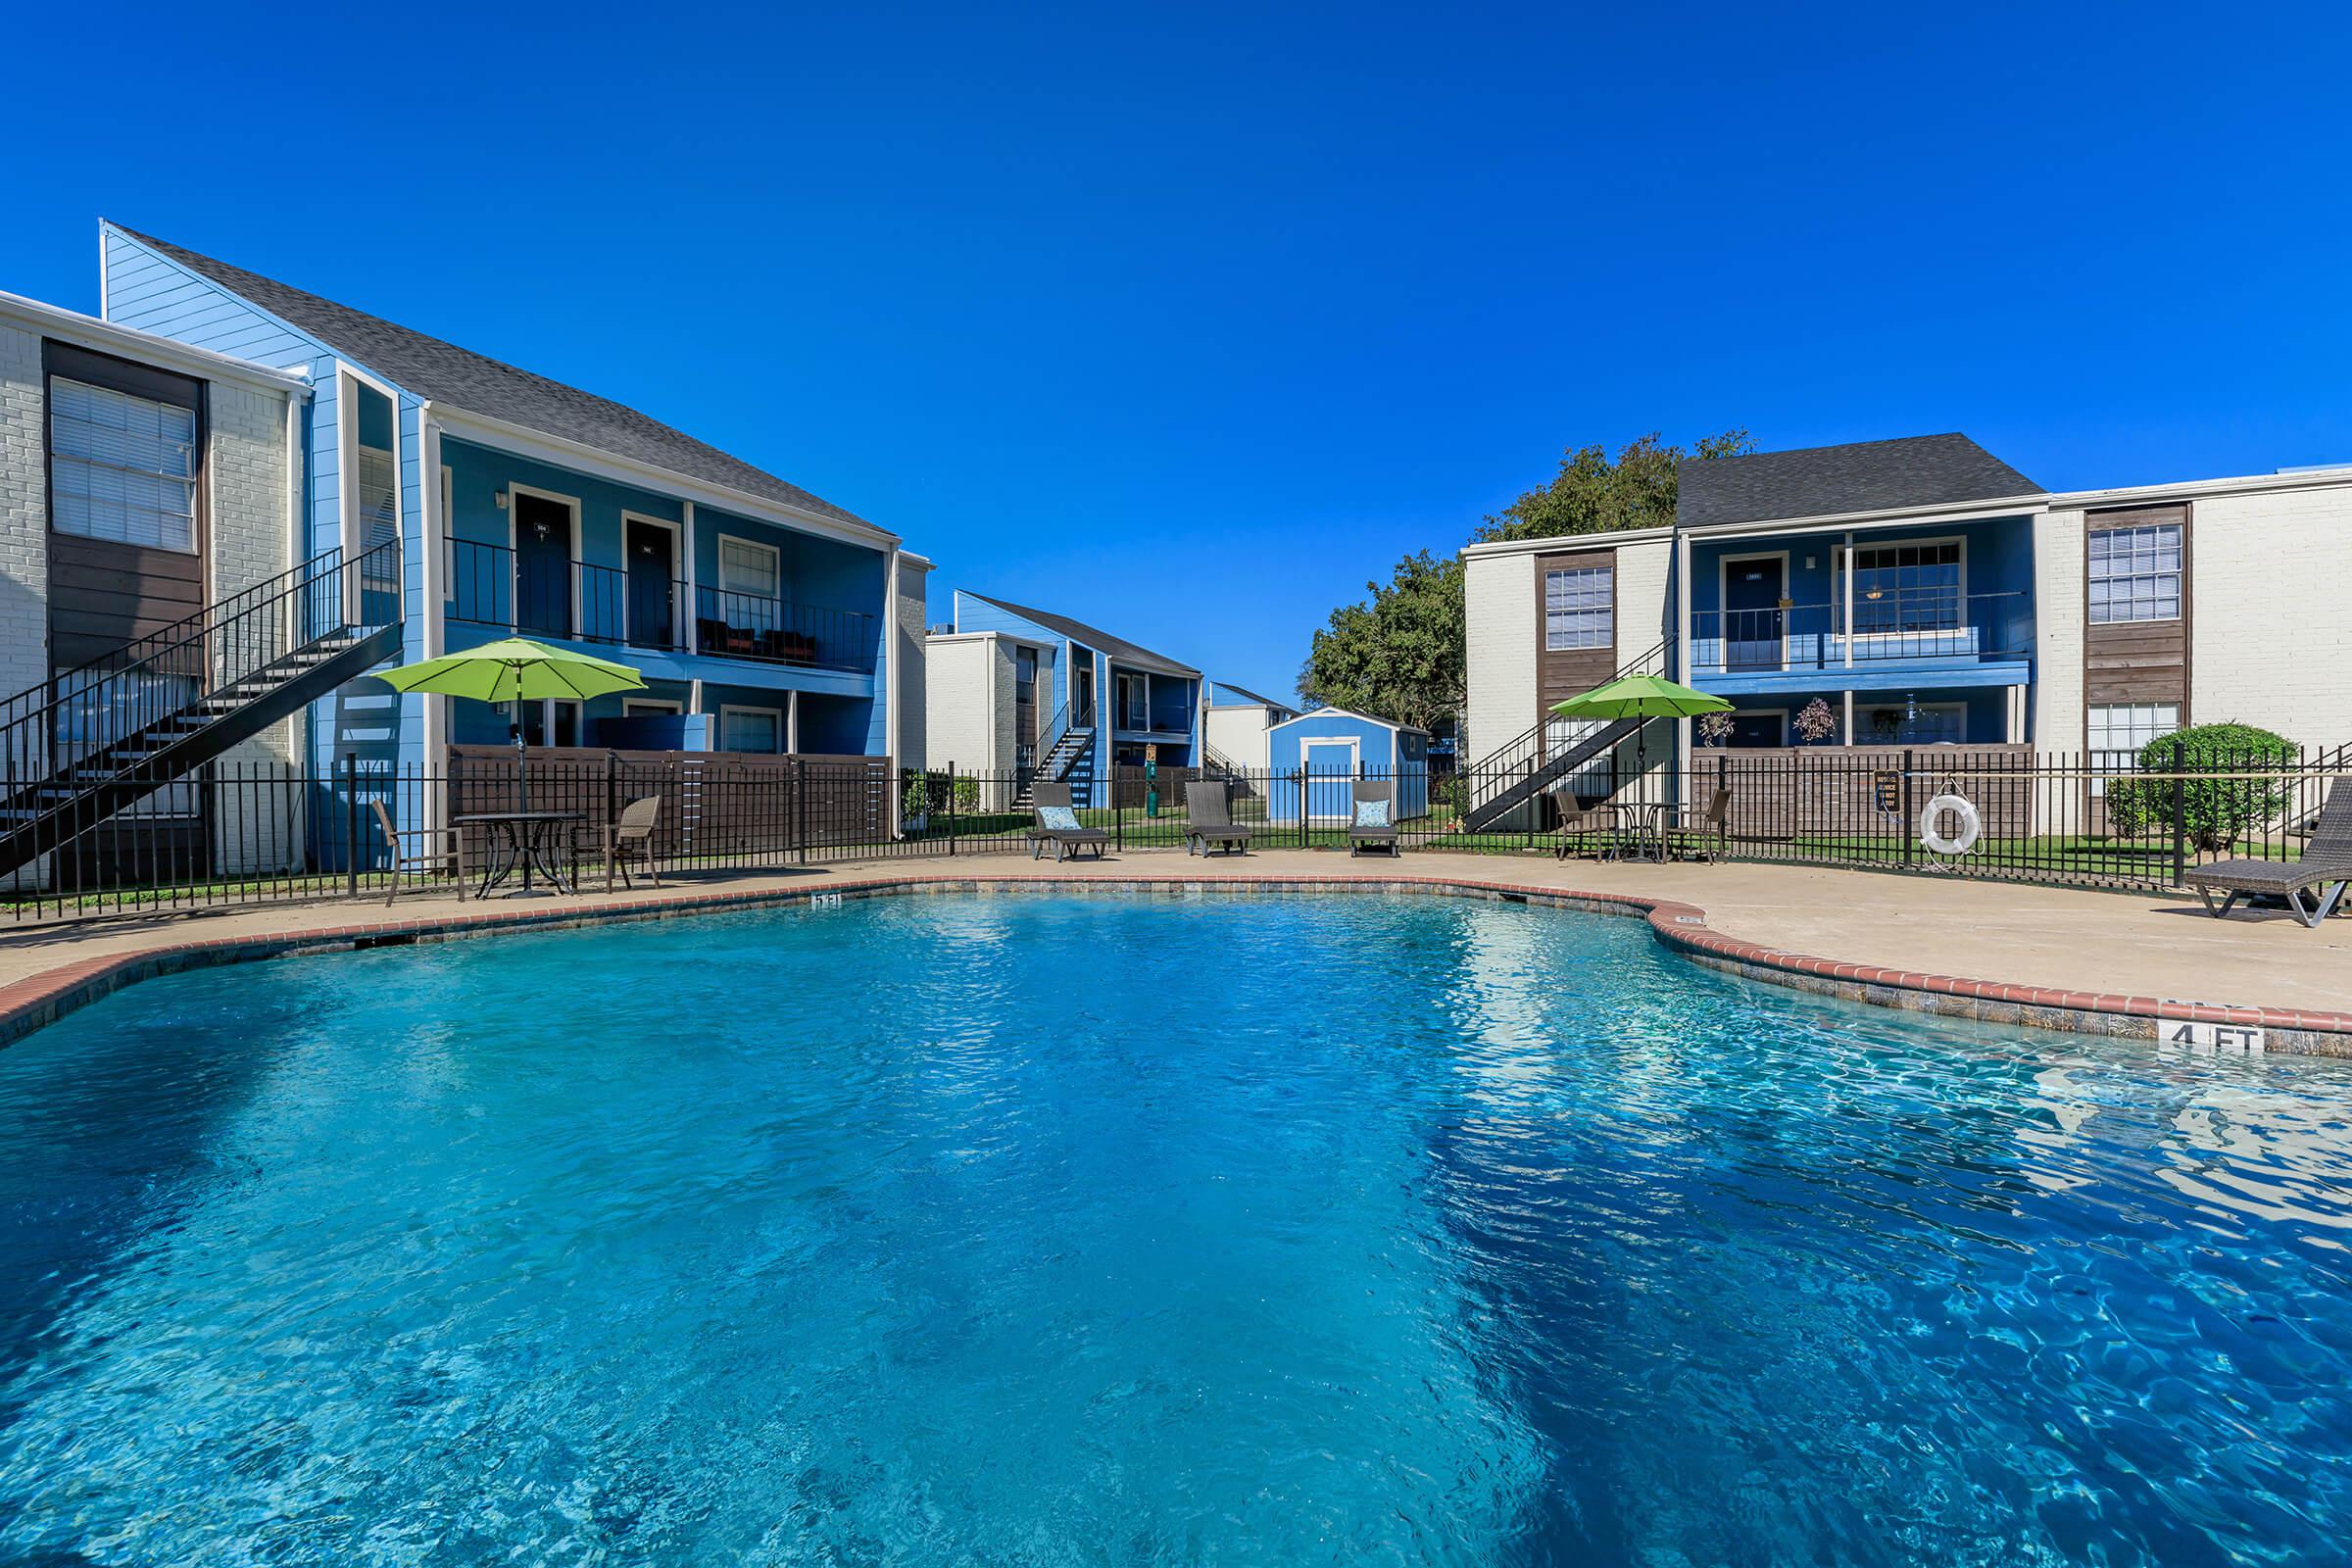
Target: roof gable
x,y
1923,470
444,372
1101,642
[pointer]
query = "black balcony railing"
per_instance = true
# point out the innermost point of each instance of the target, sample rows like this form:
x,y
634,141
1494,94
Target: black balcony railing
x,y
1894,628
776,631
549,594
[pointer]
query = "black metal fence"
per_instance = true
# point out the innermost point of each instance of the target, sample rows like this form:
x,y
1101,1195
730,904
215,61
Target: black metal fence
x,y
258,831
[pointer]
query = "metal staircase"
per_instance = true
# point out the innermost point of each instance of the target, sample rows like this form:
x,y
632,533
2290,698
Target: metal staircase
x,y
88,742
1520,772
1058,755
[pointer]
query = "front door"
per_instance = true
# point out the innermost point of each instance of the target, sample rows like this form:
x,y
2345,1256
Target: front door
x,y
652,569
542,565
1330,782
1082,708
1757,729
1751,613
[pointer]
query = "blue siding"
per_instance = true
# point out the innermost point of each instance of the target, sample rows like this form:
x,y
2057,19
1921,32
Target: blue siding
x,y
1383,751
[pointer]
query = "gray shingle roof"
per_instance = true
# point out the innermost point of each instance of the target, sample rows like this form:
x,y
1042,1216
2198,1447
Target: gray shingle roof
x,y
1101,642
465,379
1921,470
1262,701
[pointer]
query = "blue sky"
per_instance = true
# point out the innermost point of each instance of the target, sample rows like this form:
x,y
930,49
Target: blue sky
x,y
1191,321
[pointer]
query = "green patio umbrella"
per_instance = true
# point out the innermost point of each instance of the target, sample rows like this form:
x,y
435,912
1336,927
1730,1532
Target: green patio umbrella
x,y
516,670
1641,697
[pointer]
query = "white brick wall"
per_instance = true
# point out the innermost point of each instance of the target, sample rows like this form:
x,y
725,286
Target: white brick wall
x,y
24,516
2270,630
1499,608
1645,615
970,705
2058,568
1238,733
249,542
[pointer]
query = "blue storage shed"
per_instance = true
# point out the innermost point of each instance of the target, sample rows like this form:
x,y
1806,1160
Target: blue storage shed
x,y
1333,747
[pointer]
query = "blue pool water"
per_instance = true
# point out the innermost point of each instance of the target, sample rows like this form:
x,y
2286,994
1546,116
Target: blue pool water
x,y
1045,1230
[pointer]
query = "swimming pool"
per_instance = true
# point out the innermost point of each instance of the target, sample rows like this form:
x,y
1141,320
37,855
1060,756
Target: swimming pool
x,y
1055,1229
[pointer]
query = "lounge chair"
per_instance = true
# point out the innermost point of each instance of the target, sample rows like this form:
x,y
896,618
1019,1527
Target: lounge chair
x,y
1708,838
632,836
2311,886
1375,823
1581,826
1208,819
1057,825
429,855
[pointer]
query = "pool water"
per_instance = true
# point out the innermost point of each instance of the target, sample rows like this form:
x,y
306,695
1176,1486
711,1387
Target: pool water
x,y
1099,1230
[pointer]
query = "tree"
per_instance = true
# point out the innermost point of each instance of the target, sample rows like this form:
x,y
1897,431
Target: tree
x,y
1405,656
1592,495
1402,655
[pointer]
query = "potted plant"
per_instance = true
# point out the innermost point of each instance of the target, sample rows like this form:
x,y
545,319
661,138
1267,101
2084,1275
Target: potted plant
x,y
1816,723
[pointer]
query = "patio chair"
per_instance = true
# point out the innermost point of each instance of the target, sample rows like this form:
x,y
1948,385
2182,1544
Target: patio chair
x,y
1375,823
1208,819
631,834
1058,824
2311,886
1708,839
1581,826
427,858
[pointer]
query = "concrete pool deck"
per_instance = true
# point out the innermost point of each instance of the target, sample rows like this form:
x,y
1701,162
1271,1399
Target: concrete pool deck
x,y
2105,962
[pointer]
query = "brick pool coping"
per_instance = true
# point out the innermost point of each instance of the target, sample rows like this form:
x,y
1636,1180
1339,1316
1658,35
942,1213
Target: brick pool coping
x,y
36,1001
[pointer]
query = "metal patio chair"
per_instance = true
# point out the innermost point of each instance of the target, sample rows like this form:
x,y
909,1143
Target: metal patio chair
x,y
427,858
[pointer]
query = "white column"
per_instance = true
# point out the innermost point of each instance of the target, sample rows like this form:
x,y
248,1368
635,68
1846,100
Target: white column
x,y
1849,712
889,672
434,566
791,722
694,634
1682,639
1849,625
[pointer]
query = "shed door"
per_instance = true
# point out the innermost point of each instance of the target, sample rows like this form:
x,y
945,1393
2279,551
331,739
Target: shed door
x,y
1330,783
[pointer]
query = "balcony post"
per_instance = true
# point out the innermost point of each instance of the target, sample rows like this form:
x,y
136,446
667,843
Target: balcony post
x,y
693,628
1849,625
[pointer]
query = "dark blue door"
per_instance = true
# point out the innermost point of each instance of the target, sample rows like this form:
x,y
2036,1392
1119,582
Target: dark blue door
x,y
542,565
1751,614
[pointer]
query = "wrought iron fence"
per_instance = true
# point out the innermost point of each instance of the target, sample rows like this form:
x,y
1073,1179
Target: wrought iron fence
x,y
252,831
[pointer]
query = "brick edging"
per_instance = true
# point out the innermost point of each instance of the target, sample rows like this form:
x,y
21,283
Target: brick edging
x,y
38,1000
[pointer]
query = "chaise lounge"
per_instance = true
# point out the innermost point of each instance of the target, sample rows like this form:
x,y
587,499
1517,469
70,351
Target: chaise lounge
x,y
1208,819
2311,886
1058,824
1375,823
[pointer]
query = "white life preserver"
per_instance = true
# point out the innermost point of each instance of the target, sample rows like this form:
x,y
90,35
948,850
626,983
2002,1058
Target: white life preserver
x,y
1972,826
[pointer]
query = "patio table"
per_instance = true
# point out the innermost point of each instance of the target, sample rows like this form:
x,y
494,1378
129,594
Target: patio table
x,y
520,838
1638,837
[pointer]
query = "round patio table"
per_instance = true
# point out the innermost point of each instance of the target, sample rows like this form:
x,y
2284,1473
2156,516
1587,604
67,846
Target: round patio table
x,y
1638,837
520,840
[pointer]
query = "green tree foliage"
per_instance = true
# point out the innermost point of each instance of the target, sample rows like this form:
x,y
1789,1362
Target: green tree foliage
x,y
1591,494
1403,655
2214,812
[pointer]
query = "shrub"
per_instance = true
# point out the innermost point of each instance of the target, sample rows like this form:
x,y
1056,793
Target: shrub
x,y
2213,811
967,796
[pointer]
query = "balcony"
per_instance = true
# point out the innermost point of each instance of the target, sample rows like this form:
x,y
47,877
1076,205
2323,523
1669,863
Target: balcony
x,y
1896,634
536,593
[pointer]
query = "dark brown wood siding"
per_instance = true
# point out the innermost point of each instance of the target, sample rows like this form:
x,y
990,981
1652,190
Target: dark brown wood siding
x,y
1563,674
2145,660
103,594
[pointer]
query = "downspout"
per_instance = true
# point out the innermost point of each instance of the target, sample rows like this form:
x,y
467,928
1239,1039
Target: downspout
x,y
889,674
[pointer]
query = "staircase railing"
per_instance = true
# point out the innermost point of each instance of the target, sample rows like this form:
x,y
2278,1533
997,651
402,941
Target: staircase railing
x,y
1511,759
80,714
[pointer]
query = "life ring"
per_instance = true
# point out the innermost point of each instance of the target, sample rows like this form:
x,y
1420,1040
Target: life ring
x,y
1972,826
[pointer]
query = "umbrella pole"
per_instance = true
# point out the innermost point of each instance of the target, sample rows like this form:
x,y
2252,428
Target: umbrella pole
x,y
522,776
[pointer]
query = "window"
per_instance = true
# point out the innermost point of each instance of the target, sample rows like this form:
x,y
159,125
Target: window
x,y
122,468
1579,608
1915,723
648,707
2118,731
1024,674
751,730
2135,574
1904,588
744,567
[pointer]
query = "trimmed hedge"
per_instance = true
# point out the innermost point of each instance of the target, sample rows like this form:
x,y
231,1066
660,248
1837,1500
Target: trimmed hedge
x,y
2213,811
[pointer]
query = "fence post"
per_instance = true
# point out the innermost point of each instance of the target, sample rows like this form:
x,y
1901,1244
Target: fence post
x,y
1910,837
1119,817
351,821
951,810
2180,819
800,806
1531,808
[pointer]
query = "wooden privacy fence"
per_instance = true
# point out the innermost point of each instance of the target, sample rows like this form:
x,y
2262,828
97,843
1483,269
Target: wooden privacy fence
x,y
1129,787
715,805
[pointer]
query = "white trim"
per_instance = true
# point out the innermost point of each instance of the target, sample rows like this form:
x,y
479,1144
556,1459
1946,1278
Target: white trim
x,y
1543,577
891,674
1838,521
791,720
129,343
677,547
1558,543
2127,497
1308,776
1724,611
433,526
776,713
1390,725
522,441
694,605
571,560
719,554
2180,588
643,706
1682,636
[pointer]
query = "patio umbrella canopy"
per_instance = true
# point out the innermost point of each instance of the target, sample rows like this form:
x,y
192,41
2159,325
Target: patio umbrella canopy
x,y
1641,697
516,670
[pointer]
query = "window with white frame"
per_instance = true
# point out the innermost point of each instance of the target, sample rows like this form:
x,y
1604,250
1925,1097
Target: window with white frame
x,y
751,730
122,468
1579,608
744,567
1914,723
2135,574
2118,731
1905,588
